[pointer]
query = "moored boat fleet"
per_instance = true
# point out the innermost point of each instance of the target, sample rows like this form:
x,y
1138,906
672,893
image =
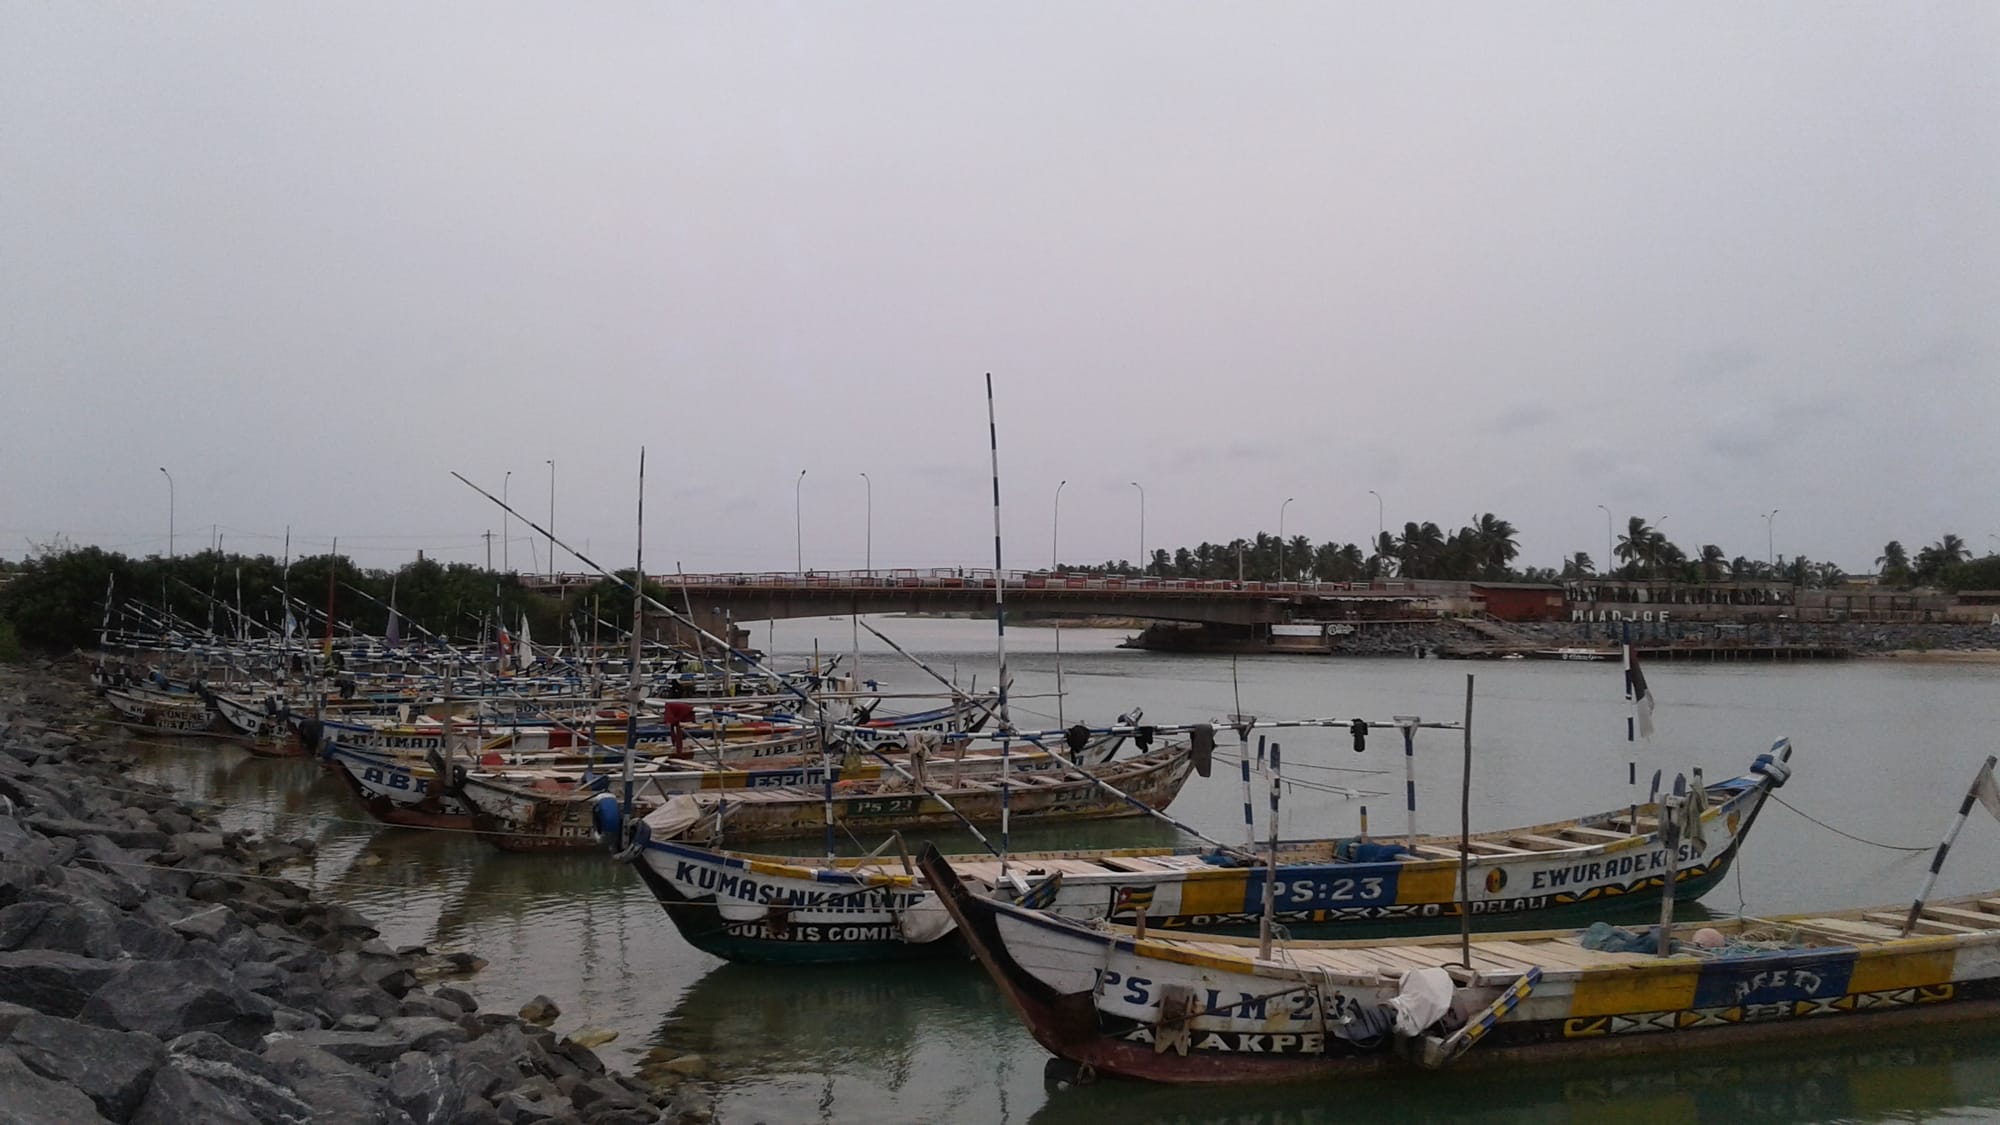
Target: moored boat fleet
x,y
1204,962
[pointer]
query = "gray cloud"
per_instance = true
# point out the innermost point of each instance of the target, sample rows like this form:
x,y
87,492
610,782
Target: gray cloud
x,y
313,259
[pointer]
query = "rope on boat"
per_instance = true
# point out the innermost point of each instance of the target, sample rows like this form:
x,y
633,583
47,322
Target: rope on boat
x,y
1849,835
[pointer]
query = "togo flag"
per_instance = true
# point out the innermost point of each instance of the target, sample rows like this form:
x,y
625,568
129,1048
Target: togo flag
x,y
1637,691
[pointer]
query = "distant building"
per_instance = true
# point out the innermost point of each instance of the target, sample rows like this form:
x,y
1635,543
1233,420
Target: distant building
x,y
1520,601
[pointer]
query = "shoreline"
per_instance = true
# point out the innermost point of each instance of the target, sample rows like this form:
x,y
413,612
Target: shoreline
x,y
1935,655
156,967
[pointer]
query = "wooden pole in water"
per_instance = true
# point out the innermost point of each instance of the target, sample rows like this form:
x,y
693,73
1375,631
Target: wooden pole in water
x,y
1465,838
1265,923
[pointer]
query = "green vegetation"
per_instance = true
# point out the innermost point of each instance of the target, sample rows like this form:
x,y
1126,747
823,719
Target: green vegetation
x,y
56,599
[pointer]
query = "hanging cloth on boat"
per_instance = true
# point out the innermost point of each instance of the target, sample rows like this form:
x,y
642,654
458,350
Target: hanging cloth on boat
x,y
1201,740
1693,830
677,716
1421,1000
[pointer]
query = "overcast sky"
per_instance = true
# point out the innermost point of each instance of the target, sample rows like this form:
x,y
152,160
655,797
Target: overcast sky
x,y
1692,262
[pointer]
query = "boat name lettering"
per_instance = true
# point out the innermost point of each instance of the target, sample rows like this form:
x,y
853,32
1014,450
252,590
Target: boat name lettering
x,y
808,932
1245,1042
1617,868
394,779
744,888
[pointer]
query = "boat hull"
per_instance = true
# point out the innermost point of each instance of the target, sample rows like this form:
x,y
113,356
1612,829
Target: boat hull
x,y
1183,891
1116,1003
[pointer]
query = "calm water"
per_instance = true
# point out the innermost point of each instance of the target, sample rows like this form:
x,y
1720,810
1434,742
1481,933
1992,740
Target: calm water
x,y
1883,750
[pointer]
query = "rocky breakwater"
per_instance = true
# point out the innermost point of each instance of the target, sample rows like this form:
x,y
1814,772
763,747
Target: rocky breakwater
x,y
156,970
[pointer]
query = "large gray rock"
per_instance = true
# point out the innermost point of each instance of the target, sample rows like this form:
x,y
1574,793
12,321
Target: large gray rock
x,y
82,925
178,1097
173,997
209,922
337,1091
20,922
259,1084
11,1014
54,982
27,1098
112,1068
144,939
359,1000
428,1088
360,1048
140,839
424,1033
498,1061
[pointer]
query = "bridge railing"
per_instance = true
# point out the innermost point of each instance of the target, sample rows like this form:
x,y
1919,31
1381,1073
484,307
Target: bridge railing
x,y
975,578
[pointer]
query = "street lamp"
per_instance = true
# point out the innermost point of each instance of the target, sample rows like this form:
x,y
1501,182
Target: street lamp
x,y
1379,529
1770,539
1142,525
1281,537
552,521
799,522
1055,527
170,511
1607,538
870,524
506,520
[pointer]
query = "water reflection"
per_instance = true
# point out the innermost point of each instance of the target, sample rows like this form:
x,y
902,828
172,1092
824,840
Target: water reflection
x,y
1873,1078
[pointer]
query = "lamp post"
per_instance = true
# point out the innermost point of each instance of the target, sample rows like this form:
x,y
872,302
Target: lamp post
x,y
1142,526
1607,537
1055,528
1281,537
1771,540
799,523
869,556
1379,528
506,521
552,520
170,511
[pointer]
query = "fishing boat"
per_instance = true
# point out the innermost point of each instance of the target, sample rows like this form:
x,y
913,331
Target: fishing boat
x,y
1210,1009
160,712
767,908
557,809
1151,780
1592,655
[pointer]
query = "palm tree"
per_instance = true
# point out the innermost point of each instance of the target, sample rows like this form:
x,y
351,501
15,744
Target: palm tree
x,y
1892,566
1579,566
1495,537
1714,564
1636,546
1420,549
1298,556
1935,559
1383,560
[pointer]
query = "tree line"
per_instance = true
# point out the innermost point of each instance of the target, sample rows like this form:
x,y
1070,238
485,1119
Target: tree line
x,y
1485,549
57,598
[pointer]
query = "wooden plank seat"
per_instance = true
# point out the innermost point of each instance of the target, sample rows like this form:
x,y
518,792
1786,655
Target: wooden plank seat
x,y
1925,924
1542,843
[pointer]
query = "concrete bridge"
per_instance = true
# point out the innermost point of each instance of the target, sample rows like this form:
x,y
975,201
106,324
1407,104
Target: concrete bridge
x,y
716,598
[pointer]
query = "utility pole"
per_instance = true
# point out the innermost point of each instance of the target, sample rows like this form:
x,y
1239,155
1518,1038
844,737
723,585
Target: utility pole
x,y
489,549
